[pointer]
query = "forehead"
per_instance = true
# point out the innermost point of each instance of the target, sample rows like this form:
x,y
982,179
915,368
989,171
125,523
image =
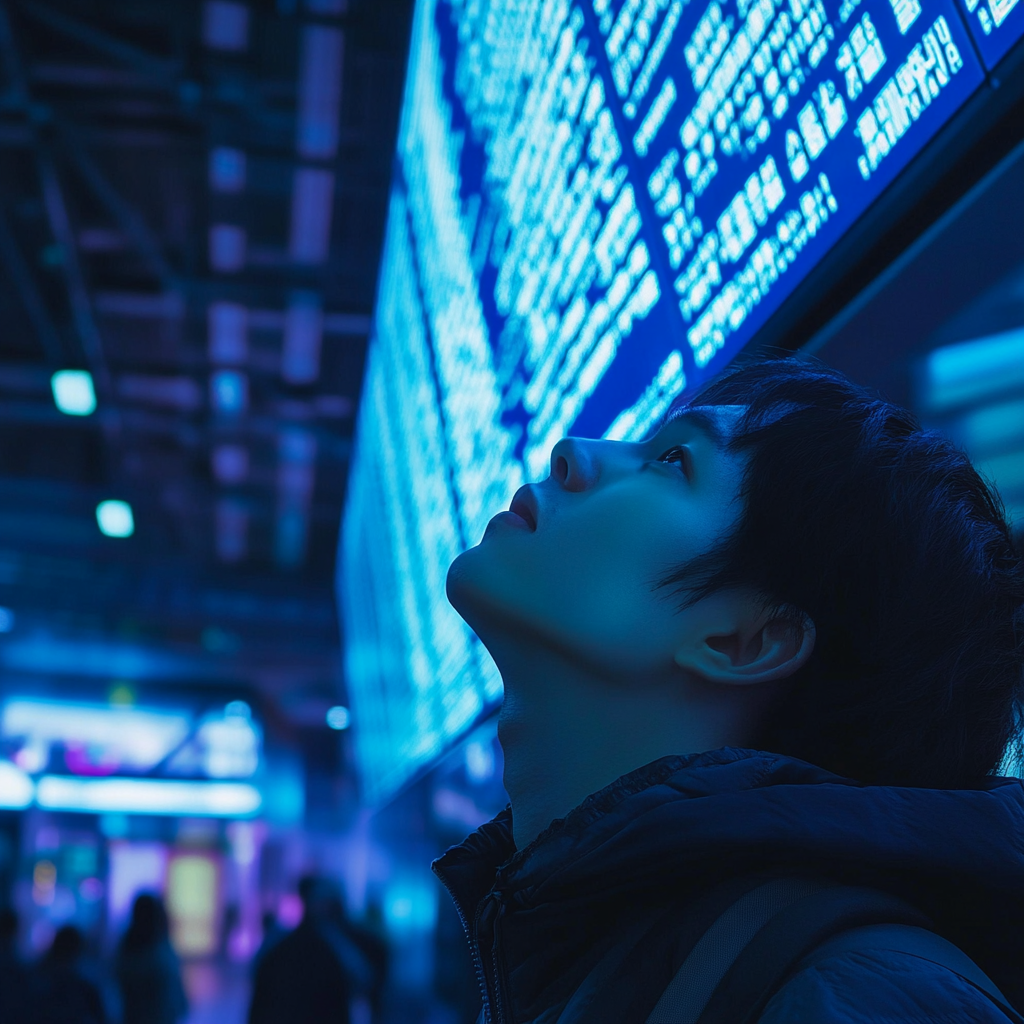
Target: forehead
x,y
716,422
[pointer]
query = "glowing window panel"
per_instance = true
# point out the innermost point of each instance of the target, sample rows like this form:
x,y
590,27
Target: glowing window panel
x,y
596,205
193,903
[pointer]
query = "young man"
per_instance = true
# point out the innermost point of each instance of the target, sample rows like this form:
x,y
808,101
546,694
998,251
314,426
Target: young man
x,y
774,648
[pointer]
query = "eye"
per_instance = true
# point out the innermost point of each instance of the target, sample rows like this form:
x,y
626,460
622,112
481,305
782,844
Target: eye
x,y
678,454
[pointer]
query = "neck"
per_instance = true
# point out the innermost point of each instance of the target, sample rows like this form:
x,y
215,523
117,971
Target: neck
x,y
568,731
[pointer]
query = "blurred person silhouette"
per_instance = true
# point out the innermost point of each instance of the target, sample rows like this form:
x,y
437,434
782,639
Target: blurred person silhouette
x,y
59,991
370,936
13,972
148,972
312,973
272,931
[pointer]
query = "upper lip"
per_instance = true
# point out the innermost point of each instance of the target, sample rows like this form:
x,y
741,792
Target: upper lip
x,y
524,504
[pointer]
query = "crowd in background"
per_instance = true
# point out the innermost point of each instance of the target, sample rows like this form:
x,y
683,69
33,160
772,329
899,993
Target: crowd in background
x,y
306,975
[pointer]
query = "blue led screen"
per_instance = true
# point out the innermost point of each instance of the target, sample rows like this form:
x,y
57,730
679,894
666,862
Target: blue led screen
x,y
995,25
595,206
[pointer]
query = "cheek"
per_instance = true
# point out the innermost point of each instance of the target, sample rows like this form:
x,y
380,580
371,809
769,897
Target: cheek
x,y
600,589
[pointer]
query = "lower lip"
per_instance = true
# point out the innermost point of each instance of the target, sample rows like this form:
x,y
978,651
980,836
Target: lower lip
x,y
510,519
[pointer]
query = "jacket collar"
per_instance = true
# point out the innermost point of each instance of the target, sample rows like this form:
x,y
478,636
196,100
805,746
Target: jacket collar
x,y
740,810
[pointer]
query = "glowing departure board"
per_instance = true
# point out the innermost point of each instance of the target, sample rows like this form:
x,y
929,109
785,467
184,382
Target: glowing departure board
x,y
596,204
995,26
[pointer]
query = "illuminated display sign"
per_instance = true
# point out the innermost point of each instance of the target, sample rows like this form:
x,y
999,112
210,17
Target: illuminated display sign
x,y
595,206
100,739
995,26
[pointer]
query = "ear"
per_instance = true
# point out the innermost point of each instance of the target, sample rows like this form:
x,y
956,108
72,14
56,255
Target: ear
x,y
738,643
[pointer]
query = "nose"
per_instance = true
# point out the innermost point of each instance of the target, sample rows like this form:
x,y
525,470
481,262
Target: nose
x,y
574,463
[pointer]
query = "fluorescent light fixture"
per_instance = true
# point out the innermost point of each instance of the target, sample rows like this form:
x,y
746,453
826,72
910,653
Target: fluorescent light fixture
x,y
309,237
990,427
232,530
971,370
73,392
148,796
115,518
230,463
16,788
227,169
225,25
300,356
1006,471
296,476
339,717
229,392
227,333
319,91
227,247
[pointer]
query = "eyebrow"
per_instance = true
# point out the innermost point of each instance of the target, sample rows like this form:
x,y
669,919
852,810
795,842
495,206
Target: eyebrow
x,y
699,417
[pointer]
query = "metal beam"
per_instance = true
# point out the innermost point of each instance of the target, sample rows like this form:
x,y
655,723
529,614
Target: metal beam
x,y
124,213
78,294
163,71
24,283
60,223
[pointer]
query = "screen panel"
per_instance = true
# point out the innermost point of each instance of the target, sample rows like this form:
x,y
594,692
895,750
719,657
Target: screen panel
x,y
995,25
595,206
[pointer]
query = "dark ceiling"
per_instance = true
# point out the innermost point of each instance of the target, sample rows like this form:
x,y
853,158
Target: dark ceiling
x,y
192,203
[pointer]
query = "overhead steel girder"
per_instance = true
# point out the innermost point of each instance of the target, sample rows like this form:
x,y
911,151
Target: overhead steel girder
x,y
60,224
25,284
127,217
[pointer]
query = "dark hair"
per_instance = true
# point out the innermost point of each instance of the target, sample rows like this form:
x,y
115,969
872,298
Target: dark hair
x,y
888,539
148,926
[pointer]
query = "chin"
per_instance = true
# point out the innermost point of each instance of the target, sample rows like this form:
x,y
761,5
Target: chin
x,y
478,591
463,584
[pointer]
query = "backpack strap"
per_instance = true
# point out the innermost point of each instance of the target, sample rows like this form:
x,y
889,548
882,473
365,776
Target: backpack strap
x,y
724,940
788,925
754,945
768,959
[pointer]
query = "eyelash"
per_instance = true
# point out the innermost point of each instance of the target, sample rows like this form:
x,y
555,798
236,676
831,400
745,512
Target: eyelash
x,y
682,460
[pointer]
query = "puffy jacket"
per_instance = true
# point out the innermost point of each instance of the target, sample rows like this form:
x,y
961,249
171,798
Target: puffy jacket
x,y
584,924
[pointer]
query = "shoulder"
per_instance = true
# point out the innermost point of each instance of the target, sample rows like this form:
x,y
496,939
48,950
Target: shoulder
x,y
879,987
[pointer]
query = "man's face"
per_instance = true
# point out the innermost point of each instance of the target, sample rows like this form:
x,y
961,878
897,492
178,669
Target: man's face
x,y
575,563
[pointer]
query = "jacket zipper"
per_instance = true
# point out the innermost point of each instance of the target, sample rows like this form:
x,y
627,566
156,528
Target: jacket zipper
x,y
499,999
474,948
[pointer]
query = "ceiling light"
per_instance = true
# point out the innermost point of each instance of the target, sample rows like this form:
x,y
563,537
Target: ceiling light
x,y
115,518
73,392
229,391
338,717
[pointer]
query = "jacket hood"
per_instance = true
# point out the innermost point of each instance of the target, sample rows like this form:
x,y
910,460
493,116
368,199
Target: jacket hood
x,y
682,822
